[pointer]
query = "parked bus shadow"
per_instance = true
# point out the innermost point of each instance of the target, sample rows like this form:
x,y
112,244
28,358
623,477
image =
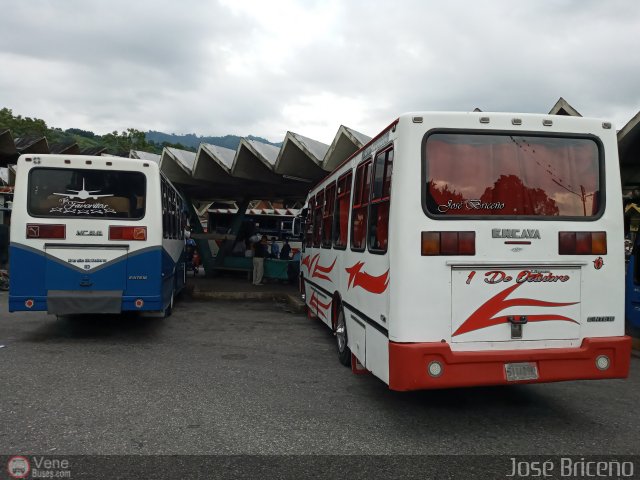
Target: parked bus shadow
x,y
537,404
490,409
121,328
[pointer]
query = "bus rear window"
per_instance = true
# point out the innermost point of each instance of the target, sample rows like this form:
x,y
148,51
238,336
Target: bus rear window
x,y
508,175
77,193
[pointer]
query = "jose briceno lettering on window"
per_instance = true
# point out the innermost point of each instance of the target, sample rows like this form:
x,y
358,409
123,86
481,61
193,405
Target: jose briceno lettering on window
x,y
470,205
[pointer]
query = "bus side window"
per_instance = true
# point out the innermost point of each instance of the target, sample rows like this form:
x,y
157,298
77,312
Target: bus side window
x,y
165,213
317,219
327,217
380,197
308,224
343,205
360,205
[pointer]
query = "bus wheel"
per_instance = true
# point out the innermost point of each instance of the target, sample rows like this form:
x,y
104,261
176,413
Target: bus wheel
x,y
344,354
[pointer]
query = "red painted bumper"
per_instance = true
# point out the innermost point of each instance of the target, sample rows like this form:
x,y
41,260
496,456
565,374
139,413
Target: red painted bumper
x,y
408,364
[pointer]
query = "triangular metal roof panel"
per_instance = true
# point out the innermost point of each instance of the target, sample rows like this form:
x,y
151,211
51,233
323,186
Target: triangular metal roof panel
x,y
224,156
213,164
360,138
317,149
31,144
93,151
141,155
629,133
268,153
346,142
12,174
629,151
69,148
7,145
255,161
301,157
8,152
562,107
184,158
173,164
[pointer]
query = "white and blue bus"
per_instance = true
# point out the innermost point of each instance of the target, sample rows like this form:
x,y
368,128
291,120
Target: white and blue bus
x,y
95,235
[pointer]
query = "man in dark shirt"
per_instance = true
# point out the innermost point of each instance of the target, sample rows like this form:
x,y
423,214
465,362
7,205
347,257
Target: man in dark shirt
x,y
261,250
286,250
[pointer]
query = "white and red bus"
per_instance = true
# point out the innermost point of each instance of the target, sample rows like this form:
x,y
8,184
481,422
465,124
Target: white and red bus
x,y
462,249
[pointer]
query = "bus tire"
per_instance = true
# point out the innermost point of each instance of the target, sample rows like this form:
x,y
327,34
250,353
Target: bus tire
x,y
342,341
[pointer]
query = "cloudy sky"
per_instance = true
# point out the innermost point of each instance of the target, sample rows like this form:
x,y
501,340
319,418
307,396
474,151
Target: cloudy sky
x,y
264,67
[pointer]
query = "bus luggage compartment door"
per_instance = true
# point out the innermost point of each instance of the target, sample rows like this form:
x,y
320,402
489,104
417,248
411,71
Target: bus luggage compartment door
x,y
85,268
493,304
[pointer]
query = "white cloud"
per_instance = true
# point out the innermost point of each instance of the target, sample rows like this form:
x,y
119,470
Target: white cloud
x,y
262,68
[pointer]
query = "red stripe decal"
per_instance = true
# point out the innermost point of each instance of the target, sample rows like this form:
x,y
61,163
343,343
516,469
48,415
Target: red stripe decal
x,y
364,280
309,260
483,317
318,305
319,271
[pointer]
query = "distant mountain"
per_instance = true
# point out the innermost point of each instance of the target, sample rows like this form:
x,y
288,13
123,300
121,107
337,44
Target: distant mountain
x,y
193,141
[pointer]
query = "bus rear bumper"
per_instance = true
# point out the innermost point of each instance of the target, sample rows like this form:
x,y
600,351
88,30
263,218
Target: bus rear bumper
x,y
69,302
409,363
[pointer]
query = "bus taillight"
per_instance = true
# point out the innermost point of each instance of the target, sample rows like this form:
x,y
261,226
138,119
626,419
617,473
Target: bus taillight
x,y
582,243
127,233
448,243
35,230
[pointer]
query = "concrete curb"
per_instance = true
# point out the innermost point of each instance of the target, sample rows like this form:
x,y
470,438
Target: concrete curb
x,y
294,301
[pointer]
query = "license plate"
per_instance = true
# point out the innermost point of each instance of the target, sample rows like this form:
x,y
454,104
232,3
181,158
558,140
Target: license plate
x,y
521,371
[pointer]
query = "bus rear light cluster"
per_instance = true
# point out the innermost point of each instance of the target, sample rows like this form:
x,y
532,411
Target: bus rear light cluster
x,y
582,243
139,303
36,230
127,233
448,243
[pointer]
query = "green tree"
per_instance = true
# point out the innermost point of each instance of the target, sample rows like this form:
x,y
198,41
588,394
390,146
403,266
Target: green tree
x,y
22,126
121,143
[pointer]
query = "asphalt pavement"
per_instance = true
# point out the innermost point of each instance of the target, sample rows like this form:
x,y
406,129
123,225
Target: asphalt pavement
x,y
254,377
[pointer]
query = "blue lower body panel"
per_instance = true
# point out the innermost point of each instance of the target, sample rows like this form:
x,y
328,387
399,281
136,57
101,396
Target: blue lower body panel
x,y
133,282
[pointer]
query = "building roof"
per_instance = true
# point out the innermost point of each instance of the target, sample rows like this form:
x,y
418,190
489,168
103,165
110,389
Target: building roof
x,y
346,142
31,144
178,165
301,157
629,153
70,148
562,107
93,151
213,164
8,152
257,170
255,161
140,155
